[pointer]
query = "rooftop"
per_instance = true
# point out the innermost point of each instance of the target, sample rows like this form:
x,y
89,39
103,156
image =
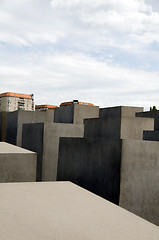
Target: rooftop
x,y
18,95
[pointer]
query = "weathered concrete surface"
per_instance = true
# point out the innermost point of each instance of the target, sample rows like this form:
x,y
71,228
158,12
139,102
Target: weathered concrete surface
x,y
132,128
64,114
75,113
43,138
3,120
62,210
151,114
103,127
119,111
117,127
16,119
33,139
139,187
151,135
16,164
93,164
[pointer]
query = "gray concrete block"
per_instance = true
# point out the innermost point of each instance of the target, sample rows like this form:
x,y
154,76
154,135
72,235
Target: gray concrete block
x,y
139,186
151,135
62,210
117,127
16,164
109,127
119,111
64,114
43,138
151,114
98,164
33,139
132,128
16,119
75,113
93,164
3,120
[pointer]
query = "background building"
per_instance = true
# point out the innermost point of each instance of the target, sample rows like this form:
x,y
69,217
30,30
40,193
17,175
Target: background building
x,y
45,107
10,102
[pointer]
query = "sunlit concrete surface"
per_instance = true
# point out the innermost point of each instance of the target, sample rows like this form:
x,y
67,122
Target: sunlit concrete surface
x,y
64,211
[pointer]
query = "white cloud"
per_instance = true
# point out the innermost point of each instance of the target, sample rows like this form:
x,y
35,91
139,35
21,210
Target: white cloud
x,y
108,22
62,77
61,50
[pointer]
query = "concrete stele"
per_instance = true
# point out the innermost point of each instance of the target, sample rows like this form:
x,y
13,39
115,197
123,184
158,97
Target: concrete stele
x,y
43,138
62,210
17,164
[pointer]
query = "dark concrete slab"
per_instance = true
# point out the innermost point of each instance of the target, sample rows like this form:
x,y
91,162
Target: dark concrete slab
x,y
33,139
16,119
43,138
75,113
93,164
119,111
151,135
3,121
117,127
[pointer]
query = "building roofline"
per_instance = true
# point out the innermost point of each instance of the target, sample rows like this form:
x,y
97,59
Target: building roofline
x,y
46,106
76,102
18,95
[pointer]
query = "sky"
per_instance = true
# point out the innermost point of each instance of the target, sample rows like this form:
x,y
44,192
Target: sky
x,y
105,52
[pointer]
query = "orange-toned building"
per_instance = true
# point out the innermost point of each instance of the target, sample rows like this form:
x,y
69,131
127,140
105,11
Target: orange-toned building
x,y
45,107
76,102
10,102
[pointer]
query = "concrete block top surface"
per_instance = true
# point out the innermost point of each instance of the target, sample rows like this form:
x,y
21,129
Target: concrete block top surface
x,y
62,210
9,148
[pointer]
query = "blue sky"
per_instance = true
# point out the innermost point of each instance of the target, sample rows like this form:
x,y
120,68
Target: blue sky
x,y
100,51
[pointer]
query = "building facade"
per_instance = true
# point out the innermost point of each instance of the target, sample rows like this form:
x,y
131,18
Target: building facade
x,y
45,107
10,102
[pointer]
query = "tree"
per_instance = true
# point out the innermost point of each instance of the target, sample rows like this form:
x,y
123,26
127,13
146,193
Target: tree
x,y
154,108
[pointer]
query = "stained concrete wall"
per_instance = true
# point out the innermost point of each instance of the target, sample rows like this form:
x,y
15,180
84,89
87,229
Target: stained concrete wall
x,y
16,164
62,210
117,127
84,111
75,113
103,127
11,127
17,118
91,163
132,128
32,139
64,114
119,111
43,138
3,120
139,191
113,169
151,135
150,114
